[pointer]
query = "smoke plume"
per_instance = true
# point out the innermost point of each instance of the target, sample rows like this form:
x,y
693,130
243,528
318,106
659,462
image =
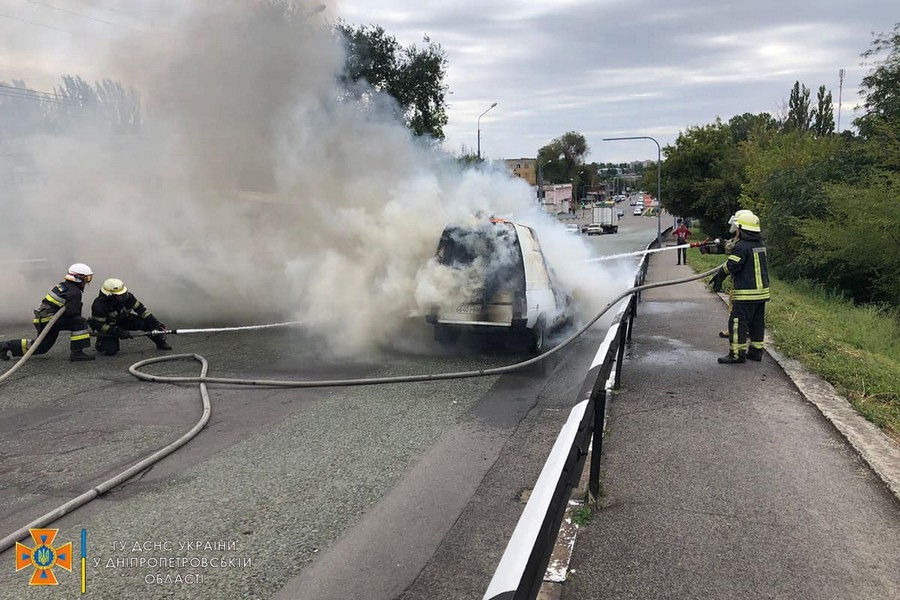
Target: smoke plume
x,y
256,191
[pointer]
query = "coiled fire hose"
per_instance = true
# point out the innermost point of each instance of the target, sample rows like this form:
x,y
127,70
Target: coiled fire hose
x,y
203,379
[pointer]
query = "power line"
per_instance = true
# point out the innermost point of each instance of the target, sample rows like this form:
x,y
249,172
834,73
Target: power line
x,y
88,17
35,23
108,9
27,94
38,99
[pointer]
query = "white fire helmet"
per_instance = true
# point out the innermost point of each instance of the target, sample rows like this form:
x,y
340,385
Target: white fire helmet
x,y
80,273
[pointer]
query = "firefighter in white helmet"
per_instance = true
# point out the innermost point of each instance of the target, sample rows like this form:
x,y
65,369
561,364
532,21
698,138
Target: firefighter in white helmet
x,y
115,313
66,295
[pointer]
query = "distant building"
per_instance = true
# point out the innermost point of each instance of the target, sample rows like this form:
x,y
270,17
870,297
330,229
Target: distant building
x,y
524,168
557,198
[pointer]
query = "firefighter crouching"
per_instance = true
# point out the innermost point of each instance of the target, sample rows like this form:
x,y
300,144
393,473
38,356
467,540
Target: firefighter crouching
x,y
116,313
748,268
66,295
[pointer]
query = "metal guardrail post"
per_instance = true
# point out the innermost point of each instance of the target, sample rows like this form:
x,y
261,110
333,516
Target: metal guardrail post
x,y
624,335
597,445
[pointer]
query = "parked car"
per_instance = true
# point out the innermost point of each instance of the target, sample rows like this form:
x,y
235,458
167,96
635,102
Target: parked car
x,y
572,228
638,211
514,291
594,229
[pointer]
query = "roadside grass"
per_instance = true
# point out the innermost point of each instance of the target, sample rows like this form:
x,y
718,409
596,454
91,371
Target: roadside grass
x,y
855,348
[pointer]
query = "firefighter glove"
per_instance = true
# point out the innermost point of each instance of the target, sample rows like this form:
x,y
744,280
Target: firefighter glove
x,y
716,283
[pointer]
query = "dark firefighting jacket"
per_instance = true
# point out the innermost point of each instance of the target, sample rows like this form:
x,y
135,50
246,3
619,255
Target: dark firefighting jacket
x,y
108,313
64,294
748,268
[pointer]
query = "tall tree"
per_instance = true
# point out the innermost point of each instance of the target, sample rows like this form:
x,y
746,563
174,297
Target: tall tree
x,y
748,126
823,114
413,76
702,175
881,88
121,105
562,157
799,115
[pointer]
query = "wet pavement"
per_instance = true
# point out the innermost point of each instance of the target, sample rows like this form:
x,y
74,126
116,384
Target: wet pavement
x,y
722,481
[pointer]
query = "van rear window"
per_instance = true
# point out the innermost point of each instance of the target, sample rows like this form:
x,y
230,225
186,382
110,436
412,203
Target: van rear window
x,y
493,249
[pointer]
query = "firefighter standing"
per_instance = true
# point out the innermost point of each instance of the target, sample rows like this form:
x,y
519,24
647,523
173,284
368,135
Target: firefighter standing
x,y
115,313
725,247
65,295
748,268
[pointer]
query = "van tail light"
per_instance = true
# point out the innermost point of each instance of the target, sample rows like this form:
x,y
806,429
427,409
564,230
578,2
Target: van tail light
x,y
518,305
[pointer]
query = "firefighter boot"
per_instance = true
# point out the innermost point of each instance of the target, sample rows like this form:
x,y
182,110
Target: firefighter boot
x,y
81,356
754,354
4,350
731,359
160,341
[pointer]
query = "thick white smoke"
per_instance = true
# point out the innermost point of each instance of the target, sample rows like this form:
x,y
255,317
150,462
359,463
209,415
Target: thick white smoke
x,y
255,192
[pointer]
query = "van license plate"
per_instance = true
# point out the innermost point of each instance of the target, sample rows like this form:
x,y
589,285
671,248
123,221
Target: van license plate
x,y
468,309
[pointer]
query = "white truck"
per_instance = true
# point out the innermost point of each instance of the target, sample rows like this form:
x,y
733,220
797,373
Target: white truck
x,y
606,216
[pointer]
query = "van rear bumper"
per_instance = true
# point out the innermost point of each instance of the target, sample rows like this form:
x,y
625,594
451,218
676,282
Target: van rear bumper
x,y
516,324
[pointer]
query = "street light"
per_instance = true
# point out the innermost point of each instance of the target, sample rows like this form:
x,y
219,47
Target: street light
x,y
541,178
658,179
479,128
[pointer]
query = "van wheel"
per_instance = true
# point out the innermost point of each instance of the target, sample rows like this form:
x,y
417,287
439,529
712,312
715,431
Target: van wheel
x,y
537,340
446,336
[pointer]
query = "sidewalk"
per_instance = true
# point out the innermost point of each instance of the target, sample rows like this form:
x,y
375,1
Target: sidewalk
x,y
722,481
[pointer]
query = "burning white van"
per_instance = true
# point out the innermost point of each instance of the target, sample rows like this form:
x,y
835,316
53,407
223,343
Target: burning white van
x,y
504,285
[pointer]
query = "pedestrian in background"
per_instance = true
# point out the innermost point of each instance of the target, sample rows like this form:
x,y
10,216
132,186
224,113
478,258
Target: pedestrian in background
x,y
681,233
65,295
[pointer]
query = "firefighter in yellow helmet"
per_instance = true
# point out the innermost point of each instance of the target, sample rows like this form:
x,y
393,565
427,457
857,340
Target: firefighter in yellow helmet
x,y
747,265
727,246
115,313
65,295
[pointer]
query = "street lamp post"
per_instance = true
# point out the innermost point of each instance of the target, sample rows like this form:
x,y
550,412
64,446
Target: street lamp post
x,y
541,179
658,179
479,128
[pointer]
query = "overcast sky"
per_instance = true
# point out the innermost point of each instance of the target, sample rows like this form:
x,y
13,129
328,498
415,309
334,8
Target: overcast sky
x,y
600,67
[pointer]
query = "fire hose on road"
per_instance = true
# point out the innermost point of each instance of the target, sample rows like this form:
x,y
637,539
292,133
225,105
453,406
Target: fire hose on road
x,y
202,379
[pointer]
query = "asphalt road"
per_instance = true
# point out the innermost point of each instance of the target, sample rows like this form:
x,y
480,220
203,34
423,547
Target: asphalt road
x,y
368,492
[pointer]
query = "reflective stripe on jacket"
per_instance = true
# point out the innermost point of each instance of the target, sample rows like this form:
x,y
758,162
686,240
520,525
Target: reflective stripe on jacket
x,y
107,310
749,270
64,294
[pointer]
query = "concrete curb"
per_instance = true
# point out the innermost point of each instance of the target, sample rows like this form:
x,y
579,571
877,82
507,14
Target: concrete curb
x,y
880,452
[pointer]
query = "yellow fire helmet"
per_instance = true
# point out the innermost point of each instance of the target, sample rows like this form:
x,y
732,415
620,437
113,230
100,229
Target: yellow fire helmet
x,y
732,221
115,287
747,221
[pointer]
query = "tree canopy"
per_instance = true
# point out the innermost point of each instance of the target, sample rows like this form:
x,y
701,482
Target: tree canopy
x,y
563,157
827,203
411,75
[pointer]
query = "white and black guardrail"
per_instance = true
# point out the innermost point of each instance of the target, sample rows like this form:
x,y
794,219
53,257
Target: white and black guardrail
x,y
521,569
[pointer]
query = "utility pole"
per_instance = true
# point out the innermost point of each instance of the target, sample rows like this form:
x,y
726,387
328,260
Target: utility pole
x,y
840,97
